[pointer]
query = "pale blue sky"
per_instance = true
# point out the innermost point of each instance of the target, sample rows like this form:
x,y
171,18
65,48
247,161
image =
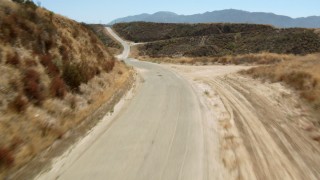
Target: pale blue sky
x,y
99,11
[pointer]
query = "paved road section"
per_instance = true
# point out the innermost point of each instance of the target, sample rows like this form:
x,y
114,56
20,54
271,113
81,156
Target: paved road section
x,y
159,135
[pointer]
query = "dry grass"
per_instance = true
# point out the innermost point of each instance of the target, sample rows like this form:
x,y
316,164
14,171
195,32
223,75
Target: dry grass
x,y
37,101
301,73
134,52
249,59
40,126
32,86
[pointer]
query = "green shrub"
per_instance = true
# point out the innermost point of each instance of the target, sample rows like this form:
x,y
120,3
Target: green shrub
x,y
73,76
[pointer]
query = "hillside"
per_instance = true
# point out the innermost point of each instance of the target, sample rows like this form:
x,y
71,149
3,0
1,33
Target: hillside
x,y
226,16
113,46
55,73
217,40
300,73
147,32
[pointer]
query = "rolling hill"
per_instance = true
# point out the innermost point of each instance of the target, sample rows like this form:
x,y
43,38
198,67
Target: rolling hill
x,y
218,39
226,16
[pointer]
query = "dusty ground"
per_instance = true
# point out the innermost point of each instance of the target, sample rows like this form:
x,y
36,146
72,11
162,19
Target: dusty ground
x,y
198,122
263,131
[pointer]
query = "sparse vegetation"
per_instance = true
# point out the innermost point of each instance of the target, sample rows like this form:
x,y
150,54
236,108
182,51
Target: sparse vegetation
x,y
148,32
55,73
258,59
217,40
300,73
74,75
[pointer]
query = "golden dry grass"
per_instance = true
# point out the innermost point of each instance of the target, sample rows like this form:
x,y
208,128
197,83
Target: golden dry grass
x,y
37,103
302,73
134,52
247,59
37,128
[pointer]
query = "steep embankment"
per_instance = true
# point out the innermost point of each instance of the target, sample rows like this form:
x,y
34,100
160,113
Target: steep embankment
x,y
54,73
112,45
214,41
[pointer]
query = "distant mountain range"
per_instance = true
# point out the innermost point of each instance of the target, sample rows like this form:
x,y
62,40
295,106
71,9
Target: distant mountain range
x,y
226,16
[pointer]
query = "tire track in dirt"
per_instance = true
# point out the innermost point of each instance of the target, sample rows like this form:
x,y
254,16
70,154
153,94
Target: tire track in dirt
x,y
295,150
256,138
262,131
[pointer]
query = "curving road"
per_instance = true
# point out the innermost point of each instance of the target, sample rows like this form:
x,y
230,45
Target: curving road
x,y
205,123
158,135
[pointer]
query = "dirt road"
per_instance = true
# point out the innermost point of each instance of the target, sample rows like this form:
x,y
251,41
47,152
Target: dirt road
x,y
187,122
264,130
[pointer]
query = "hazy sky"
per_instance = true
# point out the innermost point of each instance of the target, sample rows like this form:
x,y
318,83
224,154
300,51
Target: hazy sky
x,y
103,11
